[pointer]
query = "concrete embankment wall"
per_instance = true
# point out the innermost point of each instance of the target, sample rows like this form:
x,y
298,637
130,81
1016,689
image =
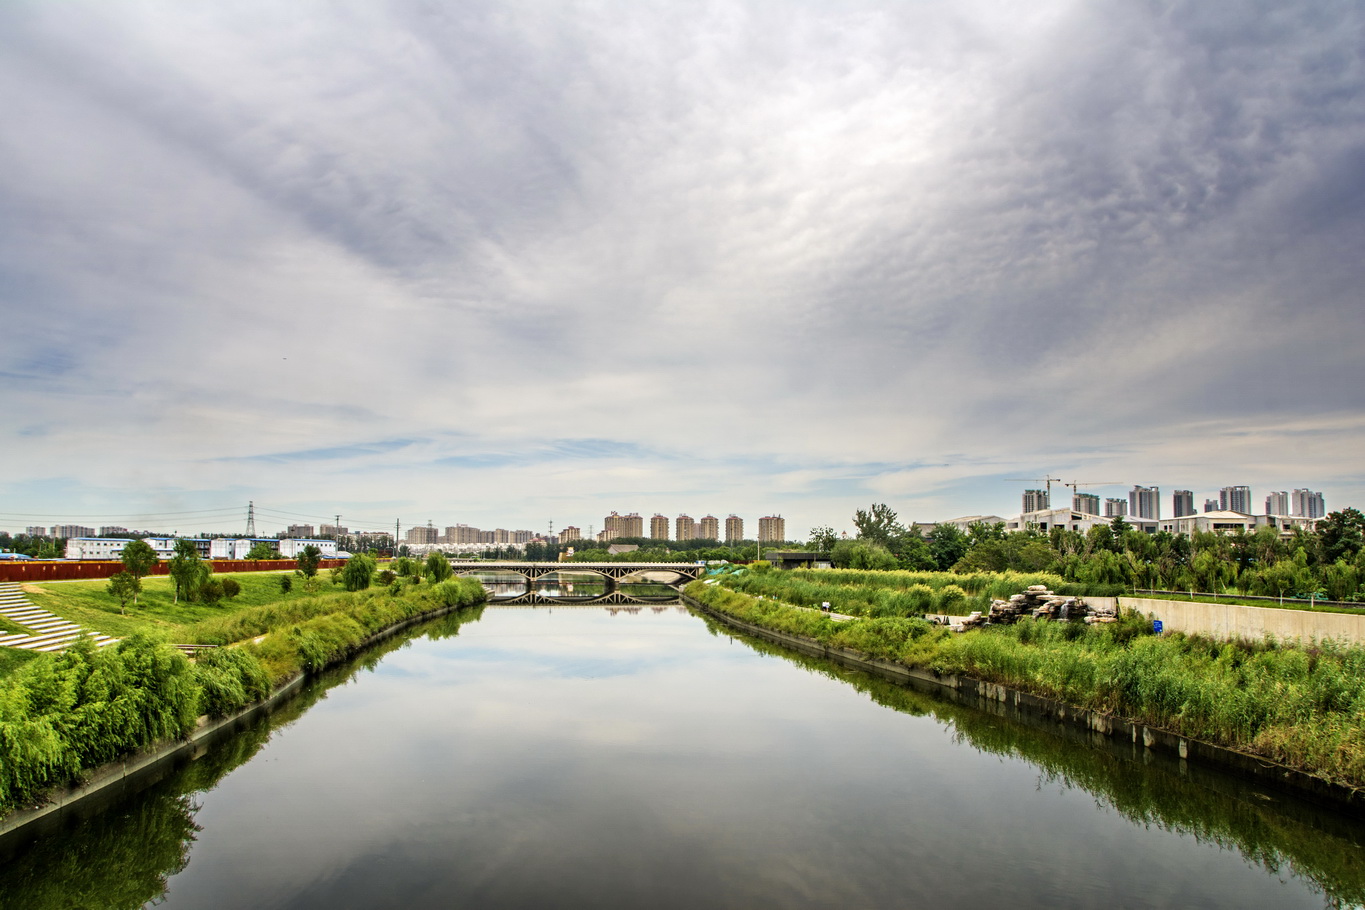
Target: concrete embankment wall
x,y
997,698
1234,621
147,766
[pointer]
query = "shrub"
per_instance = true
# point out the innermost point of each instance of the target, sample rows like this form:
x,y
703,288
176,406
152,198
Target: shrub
x,y
286,583
950,598
231,588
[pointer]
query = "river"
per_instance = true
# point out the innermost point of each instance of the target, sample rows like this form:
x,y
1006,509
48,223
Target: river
x,y
581,756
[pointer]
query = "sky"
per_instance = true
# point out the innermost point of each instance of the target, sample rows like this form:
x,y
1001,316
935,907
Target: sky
x,y
512,263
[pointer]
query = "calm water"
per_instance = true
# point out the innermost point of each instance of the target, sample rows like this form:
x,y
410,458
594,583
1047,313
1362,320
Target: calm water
x,y
580,757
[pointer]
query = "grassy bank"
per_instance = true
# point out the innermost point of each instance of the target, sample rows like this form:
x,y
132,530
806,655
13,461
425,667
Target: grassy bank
x,y
61,715
1303,708
883,594
156,613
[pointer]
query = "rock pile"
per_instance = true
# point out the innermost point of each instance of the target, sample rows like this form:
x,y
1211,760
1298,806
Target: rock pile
x,y
1039,602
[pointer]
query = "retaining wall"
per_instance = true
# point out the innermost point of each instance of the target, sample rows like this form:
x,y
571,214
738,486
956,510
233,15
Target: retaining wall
x,y
1236,621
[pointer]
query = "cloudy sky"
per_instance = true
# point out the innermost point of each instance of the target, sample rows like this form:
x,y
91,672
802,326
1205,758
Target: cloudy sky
x,y
507,262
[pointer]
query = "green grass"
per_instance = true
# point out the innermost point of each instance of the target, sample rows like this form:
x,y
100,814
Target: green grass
x,y
88,604
12,659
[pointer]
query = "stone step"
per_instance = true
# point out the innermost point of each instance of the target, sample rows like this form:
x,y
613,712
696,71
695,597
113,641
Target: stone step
x,y
38,641
20,615
49,628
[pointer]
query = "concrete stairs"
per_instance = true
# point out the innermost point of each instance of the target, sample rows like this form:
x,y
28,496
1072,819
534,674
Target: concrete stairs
x,y
47,632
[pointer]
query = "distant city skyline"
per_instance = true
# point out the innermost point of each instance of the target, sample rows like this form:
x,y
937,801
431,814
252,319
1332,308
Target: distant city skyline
x,y
1139,502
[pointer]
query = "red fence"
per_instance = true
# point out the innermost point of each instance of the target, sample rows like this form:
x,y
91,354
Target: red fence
x,y
26,570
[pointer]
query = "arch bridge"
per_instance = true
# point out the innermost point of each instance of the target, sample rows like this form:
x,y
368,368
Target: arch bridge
x,y
615,571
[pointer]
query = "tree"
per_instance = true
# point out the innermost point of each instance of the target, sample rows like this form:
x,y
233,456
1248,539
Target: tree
x,y
187,570
823,539
262,550
437,567
947,545
358,572
871,556
308,559
878,525
125,587
138,558
1342,534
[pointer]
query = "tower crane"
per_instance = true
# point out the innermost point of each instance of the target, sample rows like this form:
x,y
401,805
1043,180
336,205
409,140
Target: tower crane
x,y
1087,483
1047,480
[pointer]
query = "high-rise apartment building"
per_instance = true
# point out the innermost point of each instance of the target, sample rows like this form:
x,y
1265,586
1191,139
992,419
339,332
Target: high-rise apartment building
x,y
36,531
1277,503
1210,505
1182,503
631,525
1115,508
1308,504
684,528
1086,503
72,531
734,529
1036,500
772,529
421,535
709,528
301,531
462,534
1144,502
658,527
570,534
1235,499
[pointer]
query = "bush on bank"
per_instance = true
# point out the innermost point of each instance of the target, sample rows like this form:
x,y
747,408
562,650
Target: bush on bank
x,y
67,714
1300,706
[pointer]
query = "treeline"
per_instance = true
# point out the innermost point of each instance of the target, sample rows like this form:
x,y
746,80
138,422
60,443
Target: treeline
x,y
64,715
1328,562
38,547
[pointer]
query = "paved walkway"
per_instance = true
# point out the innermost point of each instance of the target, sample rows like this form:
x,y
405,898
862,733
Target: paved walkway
x,y
48,632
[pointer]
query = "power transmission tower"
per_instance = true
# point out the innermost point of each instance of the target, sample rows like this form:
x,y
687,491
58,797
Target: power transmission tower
x,y
251,519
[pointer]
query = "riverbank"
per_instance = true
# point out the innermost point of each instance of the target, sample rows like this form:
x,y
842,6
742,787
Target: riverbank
x,y
81,723
1061,681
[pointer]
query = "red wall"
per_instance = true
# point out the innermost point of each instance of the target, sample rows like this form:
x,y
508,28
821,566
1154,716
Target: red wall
x,y
34,570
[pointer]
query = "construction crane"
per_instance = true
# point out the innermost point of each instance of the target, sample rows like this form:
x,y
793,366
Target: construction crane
x,y
1047,480
1088,483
